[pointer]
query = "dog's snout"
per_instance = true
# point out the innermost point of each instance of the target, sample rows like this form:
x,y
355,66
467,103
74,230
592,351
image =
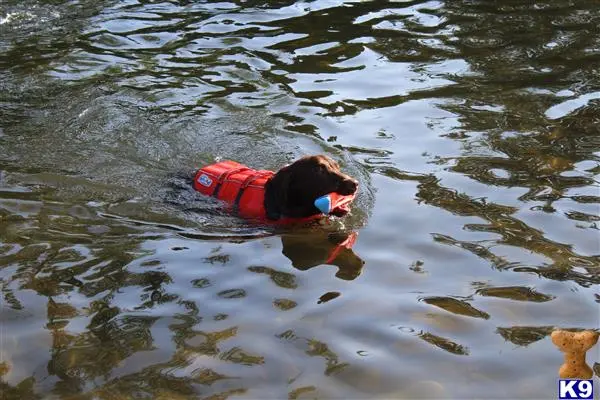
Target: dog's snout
x,y
348,186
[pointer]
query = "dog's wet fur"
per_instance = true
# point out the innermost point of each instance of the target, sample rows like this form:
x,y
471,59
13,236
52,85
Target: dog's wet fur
x,y
294,188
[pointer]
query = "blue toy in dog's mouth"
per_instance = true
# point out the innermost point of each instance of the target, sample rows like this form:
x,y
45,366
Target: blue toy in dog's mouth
x,y
334,203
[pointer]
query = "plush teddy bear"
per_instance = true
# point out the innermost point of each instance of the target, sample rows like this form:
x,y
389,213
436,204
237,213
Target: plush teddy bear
x,y
574,345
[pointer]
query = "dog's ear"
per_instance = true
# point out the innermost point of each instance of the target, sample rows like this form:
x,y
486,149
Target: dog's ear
x,y
277,193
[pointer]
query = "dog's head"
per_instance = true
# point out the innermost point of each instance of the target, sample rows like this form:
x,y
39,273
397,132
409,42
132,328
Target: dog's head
x,y
293,189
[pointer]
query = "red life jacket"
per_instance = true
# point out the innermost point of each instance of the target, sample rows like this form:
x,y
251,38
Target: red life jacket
x,y
241,187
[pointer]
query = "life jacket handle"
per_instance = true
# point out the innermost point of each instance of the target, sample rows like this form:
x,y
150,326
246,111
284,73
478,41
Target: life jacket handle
x,y
247,182
223,177
255,176
226,174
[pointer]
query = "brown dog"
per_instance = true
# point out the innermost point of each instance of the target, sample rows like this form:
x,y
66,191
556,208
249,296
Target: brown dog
x,y
294,188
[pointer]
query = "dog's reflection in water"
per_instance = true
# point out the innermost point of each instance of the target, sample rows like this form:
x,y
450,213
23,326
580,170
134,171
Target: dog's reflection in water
x,y
309,250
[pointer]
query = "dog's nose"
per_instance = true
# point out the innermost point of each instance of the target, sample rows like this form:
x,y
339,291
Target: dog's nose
x,y
348,186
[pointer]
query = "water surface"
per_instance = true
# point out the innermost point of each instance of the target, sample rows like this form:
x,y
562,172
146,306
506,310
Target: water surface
x,y
472,127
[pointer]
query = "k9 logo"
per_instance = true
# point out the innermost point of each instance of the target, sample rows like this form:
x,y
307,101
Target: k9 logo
x,y
575,389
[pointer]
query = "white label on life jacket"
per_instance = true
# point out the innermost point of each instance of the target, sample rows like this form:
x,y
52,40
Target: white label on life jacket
x,y
204,180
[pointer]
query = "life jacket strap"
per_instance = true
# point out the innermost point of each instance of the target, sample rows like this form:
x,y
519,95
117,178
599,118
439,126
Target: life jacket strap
x,y
223,177
246,183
